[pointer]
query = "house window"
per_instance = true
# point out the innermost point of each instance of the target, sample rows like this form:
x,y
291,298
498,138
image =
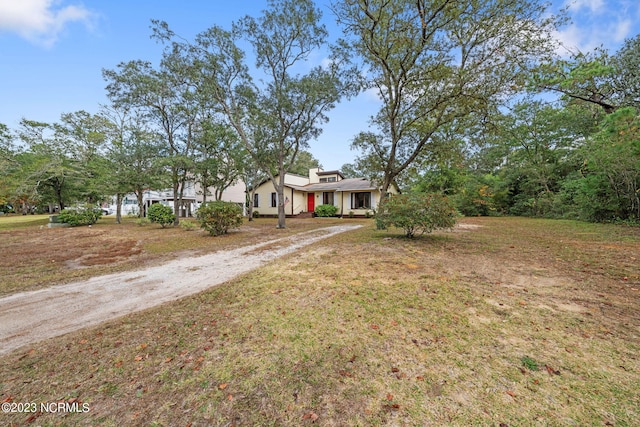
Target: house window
x,y
360,200
327,198
323,179
329,179
274,200
256,201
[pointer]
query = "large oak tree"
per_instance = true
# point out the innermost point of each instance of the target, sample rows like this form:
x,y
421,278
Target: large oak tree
x,y
433,62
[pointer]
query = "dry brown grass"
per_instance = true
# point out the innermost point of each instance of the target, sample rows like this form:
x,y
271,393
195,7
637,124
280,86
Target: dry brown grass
x,y
34,256
368,328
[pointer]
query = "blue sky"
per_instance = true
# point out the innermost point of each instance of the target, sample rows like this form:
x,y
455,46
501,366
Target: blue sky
x,y
52,52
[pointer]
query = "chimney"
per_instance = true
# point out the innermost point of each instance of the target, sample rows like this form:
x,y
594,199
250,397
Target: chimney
x,y
313,175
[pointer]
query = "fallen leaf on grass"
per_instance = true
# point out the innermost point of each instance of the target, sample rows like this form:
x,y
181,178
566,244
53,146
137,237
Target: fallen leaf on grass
x,y
310,416
511,393
28,353
33,417
389,397
223,386
345,373
552,371
375,327
138,358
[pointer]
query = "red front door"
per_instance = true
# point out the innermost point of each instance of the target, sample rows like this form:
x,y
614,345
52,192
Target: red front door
x,y
311,202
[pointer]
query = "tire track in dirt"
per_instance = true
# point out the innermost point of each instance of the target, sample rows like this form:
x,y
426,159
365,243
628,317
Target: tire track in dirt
x,y
28,317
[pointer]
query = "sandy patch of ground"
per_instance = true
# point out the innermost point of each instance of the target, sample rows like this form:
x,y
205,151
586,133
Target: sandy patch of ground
x,y
29,317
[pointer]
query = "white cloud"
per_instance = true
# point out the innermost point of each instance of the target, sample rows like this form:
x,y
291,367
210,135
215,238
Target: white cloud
x,y
598,23
326,63
571,40
622,31
40,21
594,6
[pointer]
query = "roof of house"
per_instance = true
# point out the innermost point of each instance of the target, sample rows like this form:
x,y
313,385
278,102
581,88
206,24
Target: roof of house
x,y
324,173
349,184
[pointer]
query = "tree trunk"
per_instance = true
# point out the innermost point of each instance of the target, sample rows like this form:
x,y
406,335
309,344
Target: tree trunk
x,y
177,199
386,183
118,208
280,191
252,195
58,190
141,208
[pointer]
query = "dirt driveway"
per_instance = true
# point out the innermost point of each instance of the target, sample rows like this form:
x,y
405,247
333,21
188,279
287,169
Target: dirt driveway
x,y
29,317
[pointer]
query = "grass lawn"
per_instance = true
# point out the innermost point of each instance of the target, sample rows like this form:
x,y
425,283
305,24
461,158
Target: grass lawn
x,y
11,222
503,322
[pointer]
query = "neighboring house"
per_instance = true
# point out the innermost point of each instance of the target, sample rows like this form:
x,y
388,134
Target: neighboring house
x,y
192,198
352,196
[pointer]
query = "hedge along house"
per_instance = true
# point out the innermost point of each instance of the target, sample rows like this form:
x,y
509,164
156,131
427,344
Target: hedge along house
x,y
351,196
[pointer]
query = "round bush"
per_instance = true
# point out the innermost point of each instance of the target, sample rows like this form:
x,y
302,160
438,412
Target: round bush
x,y
218,217
416,213
326,210
80,216
160,214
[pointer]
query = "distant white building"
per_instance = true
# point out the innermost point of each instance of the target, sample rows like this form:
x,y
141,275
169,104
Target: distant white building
x,y
192,198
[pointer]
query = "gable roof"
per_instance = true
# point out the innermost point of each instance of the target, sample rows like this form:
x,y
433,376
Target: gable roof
x,y
349,184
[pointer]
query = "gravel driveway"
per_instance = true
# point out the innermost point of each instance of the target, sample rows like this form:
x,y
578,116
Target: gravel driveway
x,y
29,317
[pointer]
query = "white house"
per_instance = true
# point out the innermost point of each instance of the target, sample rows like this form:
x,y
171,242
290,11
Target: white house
x,y
192,198
352,196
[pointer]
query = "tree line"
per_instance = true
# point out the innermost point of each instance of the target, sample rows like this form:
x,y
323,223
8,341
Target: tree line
x,y
573,156
461,111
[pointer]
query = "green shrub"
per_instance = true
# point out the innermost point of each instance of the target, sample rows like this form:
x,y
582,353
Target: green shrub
x,y
187,225
416,213
218,217
142,221
160,214
326,210
80,216
256,214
